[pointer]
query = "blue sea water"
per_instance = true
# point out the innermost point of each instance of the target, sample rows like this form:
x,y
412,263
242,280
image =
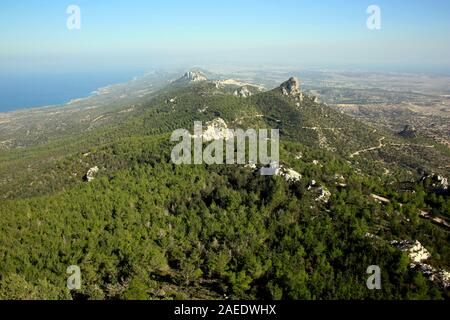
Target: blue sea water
x,y
22,90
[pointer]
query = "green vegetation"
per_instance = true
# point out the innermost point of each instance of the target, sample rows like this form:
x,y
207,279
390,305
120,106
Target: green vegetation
x,y
147,229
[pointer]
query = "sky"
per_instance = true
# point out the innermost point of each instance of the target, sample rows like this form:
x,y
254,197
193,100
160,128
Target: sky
x,y
133,34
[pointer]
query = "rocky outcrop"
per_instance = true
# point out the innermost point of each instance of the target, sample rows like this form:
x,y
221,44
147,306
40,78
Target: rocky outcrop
x,y
278,170
437,182
242,92
237,83
443,182
90,175
418,254
215,130
439,276
324,195
291,88
192,76
289,174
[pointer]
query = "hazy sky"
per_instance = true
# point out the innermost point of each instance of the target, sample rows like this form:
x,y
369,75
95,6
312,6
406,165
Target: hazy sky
x,y
143,34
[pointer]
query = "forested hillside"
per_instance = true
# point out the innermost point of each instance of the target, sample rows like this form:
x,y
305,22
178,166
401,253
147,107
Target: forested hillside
x,y
146,228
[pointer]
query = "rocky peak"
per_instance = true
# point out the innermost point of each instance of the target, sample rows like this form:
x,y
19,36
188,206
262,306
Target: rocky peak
x,y
194,76
291,88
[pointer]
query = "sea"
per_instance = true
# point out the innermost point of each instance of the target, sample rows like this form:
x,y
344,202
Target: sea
x,y
22,90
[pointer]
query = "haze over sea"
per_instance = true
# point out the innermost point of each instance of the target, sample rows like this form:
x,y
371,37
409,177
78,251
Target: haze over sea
x,y
37,48
25,90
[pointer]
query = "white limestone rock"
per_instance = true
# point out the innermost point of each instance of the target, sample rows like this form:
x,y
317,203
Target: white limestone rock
x,y
416,252
217,129
90,175
324,196
292,175
439,276
289,174
242,92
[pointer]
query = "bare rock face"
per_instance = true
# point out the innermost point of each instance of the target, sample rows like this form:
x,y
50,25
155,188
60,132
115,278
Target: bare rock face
x,y
440,276
418,255
288,173
416,252
216,129
193,76
291,88
242,92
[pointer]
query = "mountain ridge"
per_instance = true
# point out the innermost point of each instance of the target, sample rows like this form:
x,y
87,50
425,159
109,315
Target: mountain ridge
x,y
142,227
